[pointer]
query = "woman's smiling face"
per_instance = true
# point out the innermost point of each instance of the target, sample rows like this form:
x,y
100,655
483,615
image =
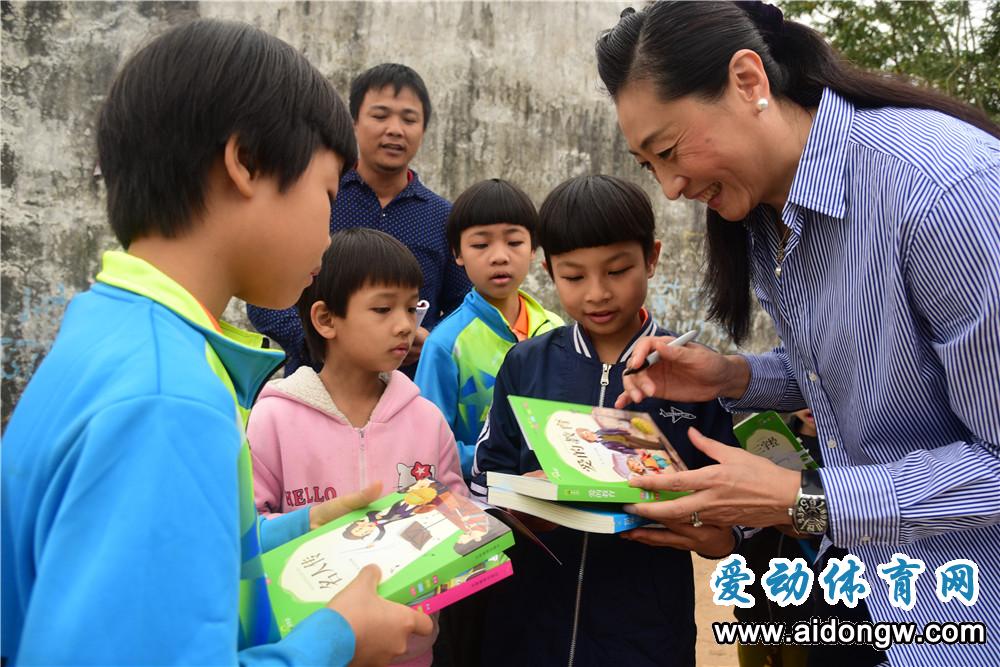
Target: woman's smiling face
x,y
696,149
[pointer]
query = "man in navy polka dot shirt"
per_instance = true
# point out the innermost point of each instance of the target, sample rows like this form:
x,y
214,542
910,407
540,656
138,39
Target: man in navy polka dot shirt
x,y
391,109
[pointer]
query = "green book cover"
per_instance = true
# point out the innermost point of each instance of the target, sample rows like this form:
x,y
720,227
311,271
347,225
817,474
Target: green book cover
x,y
767,435
588,453
419,538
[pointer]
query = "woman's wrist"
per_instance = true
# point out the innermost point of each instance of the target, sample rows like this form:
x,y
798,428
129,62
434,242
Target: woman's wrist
x,y
737,377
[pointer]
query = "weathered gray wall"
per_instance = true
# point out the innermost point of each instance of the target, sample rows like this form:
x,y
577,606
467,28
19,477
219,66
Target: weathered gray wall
x,y
515,90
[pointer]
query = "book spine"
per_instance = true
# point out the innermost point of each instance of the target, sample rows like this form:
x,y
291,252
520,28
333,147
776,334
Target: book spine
x,y
580,493
628,522
465,589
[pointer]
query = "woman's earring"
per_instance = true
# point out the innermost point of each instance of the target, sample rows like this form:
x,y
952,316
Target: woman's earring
x,y
762,104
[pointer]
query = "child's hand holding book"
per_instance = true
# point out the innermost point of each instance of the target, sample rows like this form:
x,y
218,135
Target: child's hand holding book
x,y
381,628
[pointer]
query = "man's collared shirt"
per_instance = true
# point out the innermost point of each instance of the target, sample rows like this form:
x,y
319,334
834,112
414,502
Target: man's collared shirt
x,y
417,217
888,308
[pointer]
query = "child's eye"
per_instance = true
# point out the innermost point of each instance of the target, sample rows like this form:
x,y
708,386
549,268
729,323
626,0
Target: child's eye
x,y
618,272
382,310
572,279
479,246
515,244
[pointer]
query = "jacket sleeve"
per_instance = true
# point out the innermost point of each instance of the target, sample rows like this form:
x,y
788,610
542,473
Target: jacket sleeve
x,y
265,450
284,328
166,580
437,378
499,445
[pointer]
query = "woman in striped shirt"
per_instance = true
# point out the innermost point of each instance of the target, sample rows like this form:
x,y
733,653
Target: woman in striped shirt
x,y
862,212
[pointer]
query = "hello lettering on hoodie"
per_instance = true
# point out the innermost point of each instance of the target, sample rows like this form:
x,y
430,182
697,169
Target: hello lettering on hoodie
x,y
308,495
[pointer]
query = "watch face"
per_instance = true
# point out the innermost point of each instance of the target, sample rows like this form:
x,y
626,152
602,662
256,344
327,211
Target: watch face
x,y
810,515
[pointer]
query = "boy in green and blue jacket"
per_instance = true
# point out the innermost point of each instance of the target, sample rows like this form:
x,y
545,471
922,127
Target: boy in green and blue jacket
x,y
491,231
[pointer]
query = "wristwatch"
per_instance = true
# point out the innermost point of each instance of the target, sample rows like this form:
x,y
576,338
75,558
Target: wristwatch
x,y
809,511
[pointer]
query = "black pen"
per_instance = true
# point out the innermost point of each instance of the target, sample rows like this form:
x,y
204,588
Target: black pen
x,y
654,356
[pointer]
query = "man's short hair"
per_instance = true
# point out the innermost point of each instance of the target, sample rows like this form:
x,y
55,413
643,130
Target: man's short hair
x,y
388,74
589,211
356,257
178,100
490,202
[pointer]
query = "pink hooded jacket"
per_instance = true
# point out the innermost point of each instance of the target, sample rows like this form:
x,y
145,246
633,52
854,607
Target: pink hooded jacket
x,y
306,451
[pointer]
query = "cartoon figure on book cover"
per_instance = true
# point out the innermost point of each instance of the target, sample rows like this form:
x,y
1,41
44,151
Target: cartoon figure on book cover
x,y
427,515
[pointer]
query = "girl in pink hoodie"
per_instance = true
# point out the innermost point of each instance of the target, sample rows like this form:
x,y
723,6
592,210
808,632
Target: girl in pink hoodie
x,y
315,436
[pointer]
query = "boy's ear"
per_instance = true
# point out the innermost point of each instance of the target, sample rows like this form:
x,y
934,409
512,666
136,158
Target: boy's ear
x,y
322,320
654,256
237,168
458,258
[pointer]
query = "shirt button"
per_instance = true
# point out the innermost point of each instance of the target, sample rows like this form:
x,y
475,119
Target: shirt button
x,y
812,376
866,538
831,443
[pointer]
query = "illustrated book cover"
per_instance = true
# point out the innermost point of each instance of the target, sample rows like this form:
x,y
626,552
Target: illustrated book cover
x,y
419,538
588,453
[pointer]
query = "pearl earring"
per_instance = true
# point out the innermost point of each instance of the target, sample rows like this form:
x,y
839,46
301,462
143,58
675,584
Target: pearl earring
x,y
762,104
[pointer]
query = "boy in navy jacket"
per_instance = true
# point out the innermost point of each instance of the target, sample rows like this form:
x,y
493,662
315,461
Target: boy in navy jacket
x,y
613,600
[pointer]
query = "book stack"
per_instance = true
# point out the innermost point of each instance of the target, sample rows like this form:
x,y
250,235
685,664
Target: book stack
x,y
433,547
587,454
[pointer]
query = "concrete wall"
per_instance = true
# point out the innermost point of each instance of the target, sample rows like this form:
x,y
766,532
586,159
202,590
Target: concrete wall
x,y
515,91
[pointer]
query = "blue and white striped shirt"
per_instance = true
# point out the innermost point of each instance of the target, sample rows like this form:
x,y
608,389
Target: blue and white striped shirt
x,y
888,309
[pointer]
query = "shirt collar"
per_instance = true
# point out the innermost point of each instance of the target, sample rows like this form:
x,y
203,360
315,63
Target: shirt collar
x,y
414,188
818,184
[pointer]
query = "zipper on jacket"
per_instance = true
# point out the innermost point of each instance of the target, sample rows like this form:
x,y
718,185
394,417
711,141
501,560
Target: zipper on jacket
x,y
605,371
361,459
576,609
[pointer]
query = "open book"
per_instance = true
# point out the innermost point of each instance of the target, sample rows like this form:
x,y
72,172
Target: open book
x,y
588,453
419,538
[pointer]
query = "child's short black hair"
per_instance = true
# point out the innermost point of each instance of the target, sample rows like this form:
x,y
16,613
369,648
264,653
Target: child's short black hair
x,y
589,211
178,100
490,202
389,74
356,257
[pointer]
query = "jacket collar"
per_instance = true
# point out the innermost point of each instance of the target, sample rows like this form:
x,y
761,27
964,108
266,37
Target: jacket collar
x,y
537,315
242,353
583,346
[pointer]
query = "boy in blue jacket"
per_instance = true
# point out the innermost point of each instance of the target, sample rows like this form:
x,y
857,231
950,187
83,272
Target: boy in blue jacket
x,y
491,231
129,530
612,601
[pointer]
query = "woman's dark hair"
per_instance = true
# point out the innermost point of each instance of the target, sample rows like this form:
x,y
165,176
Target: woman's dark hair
x,y
389,74
684,48
589,211
356,258
178,100
490,202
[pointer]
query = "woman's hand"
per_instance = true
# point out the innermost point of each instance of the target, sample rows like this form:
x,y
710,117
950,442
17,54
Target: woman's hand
x,y
710,541
689,373
337,507
741,489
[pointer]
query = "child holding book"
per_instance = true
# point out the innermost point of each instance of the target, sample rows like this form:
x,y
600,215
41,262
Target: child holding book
x,y
129,529
491,232
613,600
316,436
